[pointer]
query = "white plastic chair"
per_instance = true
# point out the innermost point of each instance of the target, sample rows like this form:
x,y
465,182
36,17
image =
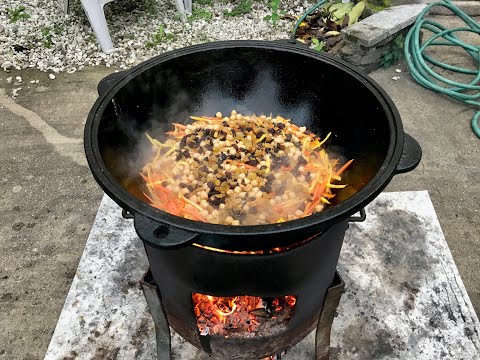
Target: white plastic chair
x,y
96,16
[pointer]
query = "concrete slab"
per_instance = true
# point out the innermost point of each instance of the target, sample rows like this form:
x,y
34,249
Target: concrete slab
x,y
48,201
404,297
451,154
469,7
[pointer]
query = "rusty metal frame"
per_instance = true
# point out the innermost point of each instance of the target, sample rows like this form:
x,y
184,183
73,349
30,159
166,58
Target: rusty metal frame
x,y
162,329
325,321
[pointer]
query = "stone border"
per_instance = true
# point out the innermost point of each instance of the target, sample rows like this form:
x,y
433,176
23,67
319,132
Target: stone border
x,y
365,42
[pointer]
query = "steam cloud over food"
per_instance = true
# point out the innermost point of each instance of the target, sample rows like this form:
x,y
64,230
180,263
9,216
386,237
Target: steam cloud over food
x,y
241,170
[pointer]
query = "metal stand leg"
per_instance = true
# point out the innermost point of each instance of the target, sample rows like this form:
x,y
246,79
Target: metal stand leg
x,y
162,329
324,327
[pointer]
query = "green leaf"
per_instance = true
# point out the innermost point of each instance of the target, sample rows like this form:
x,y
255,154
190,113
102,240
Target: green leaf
x,y
342,10
319,45
356,12
399,41
244,7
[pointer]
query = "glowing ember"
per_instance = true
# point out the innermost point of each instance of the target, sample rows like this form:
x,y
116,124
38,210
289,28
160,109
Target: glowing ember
x,y
240,315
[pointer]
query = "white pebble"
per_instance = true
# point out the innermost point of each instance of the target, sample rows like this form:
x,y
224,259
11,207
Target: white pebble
x,y
51,76
16,91
398,70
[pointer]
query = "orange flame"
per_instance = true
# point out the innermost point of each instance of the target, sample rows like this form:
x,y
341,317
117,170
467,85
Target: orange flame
x,y
218,315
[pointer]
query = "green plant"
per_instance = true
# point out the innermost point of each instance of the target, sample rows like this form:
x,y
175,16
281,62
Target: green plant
x,y
151,7
275,15
395,53
17,13
201,14
318,45
47,37
244,7
379,5
159,37
204,2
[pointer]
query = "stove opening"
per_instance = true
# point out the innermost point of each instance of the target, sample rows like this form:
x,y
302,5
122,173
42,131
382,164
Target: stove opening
x,y
242,316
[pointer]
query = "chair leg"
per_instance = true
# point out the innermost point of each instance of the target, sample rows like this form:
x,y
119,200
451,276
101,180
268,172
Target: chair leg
x,y
96,16
188,6
180,6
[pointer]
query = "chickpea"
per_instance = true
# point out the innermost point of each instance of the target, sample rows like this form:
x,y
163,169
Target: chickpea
x,y
299,213
235,222
218,115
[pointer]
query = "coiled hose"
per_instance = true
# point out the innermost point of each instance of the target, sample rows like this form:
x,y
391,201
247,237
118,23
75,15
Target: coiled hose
x,y
417,59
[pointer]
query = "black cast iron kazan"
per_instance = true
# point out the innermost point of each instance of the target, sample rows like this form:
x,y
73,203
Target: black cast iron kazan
x,y
315,90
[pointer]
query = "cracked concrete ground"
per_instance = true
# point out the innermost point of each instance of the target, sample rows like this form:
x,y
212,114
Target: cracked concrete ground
x,y
49,198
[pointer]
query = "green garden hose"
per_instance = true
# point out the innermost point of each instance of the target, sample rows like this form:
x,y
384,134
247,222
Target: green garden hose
x,y
417,59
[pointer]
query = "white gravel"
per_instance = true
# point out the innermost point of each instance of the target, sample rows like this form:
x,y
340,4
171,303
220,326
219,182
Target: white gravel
x,y
23,43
